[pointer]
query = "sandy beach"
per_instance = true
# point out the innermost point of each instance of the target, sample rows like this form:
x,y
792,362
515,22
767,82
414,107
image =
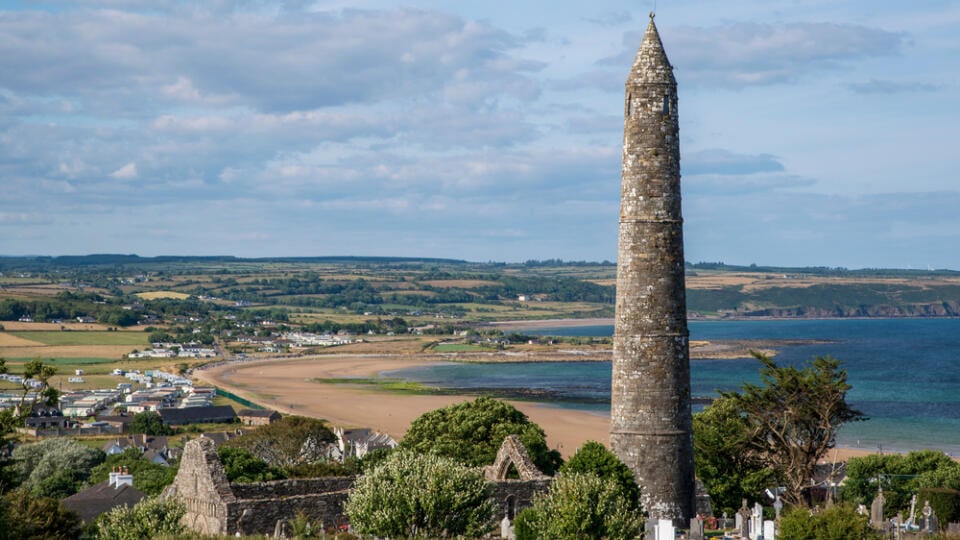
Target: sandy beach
x,y
286,385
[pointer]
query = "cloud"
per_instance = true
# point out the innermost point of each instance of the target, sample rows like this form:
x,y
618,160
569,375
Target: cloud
x,y
269,61
745,54
879,86
724,162
127,172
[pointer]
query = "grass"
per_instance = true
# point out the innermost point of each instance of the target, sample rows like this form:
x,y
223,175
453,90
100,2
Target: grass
x,y
394,386
65,361
84,338
459,347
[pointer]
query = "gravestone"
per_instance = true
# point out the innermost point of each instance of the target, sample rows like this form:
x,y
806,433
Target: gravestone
x,y
876,510
769,530
953,529
665,530
928,514
756,522
506,528
743,520
696,529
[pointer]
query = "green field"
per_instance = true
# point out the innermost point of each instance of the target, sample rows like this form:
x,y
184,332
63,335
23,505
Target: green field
x,y
458,347
84,338
65,361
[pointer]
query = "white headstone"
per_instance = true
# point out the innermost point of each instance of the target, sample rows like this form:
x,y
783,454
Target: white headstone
x,y
665,530
506,528
769,530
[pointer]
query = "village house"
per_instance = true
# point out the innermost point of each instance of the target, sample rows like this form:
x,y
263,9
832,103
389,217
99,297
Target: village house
x,y
254,417
116,491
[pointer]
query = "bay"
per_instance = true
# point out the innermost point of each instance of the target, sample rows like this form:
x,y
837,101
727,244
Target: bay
x,y
905,374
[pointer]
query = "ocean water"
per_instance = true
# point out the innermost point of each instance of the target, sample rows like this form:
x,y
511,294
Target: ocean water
x,y
905,374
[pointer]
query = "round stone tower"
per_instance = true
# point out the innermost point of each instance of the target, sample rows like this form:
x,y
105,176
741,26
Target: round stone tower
x,y
650,413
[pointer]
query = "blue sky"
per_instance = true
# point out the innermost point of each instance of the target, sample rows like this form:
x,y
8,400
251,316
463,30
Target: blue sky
x,y
813,132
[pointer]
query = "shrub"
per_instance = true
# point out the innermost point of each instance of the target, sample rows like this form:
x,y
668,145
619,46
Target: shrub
x,y
580,505
841,522
149,518
421,496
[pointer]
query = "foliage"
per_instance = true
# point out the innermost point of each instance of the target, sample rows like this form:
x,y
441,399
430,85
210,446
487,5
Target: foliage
x,y
472,433
945,502
240,466
793,417
302,527
318,469
54,465
38,517
900,476
581,505
149,423
840,522
726,470
150,518
148,477
292,441
594,458
411,495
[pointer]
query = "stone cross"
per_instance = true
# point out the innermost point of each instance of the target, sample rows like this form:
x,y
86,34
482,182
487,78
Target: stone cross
x,y
756,522
913,510
743,520
876,509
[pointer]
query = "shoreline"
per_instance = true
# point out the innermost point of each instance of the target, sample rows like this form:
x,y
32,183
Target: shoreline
x,y
535,324
287,385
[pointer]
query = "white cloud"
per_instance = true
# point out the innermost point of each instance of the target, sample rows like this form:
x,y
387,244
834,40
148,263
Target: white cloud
x,y
127,172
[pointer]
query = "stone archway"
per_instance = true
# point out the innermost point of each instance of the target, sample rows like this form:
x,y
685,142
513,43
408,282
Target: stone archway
x,y
512,452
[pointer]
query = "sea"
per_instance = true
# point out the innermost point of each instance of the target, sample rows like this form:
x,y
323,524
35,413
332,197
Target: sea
x,y
905,374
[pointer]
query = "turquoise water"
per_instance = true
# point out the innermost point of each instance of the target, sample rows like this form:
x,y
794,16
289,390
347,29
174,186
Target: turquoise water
x,y
905,374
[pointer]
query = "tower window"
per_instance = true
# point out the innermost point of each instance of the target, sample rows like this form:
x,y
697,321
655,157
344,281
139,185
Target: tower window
x,y
629,105
666,105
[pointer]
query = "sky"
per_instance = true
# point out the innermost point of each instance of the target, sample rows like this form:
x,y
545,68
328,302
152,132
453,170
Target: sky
x,y
813,132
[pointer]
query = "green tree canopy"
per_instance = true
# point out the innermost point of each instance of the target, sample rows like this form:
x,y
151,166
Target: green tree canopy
x,y
413,495
792,418
148,477
594,458
472,433
728,472
38,517
149,423
292,441
241,466
580,505
900,476
48,464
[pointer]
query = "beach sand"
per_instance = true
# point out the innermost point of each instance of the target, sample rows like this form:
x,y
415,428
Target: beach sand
x,y
286,385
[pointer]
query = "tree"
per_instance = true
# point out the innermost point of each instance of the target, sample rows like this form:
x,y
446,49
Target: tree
x,y
840,522
792,418
150,478
149,423
580,505
51,463
38,517
728,472
150,518
472,433
240,466
292,441
30,396
900,476
594,458
421,496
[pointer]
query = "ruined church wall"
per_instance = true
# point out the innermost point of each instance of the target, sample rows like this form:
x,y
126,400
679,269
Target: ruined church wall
x,y
512,496
290,488
260,516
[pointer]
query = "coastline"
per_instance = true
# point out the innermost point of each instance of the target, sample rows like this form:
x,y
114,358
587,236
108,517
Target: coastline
x,y
288,386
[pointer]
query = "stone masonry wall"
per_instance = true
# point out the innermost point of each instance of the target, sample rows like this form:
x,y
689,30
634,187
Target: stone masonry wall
x,y
651,424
